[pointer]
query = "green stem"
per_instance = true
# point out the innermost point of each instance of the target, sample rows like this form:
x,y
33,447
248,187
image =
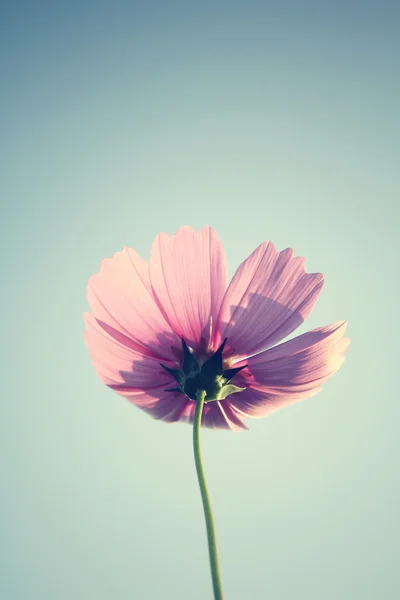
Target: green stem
x,y
212,541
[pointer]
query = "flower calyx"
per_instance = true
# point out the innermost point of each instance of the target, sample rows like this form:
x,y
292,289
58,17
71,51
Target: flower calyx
x,y
209,376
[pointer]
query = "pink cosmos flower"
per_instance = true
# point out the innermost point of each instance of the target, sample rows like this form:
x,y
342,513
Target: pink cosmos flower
x,y
160,331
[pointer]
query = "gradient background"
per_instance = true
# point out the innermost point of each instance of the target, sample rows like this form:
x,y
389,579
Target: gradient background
x,y
268,121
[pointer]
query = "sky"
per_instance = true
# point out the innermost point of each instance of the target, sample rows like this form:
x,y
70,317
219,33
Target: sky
x,y
267,121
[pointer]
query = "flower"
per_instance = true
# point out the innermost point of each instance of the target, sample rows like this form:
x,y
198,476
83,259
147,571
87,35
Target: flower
x,y
161,331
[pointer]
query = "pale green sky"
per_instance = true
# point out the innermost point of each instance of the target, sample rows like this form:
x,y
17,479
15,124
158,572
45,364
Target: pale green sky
x,y
118,122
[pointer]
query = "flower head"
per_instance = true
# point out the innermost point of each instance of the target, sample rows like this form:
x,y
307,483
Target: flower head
x,y
160,332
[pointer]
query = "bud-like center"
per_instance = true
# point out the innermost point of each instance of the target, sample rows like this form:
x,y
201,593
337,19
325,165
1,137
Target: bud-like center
x,y
209,377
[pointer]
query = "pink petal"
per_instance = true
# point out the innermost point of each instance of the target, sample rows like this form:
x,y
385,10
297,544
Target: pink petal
x,y
291,371
120,296
312,356
159,404
269,296
254,404
188,276
143,381
216,415
172,407
118,363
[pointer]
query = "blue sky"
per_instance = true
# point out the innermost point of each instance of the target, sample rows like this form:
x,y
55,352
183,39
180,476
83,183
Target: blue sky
x,y
265,121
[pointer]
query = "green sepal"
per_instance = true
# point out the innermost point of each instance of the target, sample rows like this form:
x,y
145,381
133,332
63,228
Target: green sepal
x,y
190,366
213,365
175,373
225,391
229,373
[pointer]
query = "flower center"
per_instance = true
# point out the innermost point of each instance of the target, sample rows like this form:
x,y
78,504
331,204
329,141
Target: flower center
x,y
209,377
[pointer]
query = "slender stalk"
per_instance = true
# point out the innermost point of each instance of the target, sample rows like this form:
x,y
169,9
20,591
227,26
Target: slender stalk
x,y
212,541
